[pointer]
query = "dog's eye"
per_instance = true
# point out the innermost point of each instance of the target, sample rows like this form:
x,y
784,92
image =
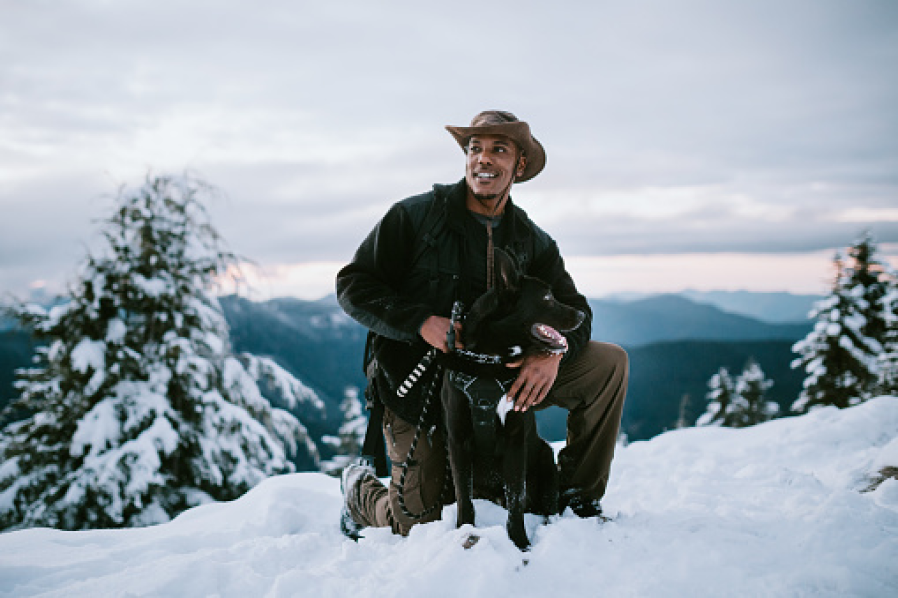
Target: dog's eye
x,y
548,297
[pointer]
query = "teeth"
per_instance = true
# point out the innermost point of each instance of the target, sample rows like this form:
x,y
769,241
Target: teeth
x,y
550,334
486,175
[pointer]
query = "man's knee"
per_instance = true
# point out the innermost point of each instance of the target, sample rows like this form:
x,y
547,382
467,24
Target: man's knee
x,y
611,354
600,369
604,361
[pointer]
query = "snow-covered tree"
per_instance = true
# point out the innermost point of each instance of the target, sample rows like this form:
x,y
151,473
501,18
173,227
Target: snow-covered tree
x,y
138,408
887,364
682,420
720,397
866,280
840,355
738,403
750,405
347,446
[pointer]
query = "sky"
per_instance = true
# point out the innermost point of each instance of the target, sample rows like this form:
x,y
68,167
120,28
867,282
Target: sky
x,y
695,144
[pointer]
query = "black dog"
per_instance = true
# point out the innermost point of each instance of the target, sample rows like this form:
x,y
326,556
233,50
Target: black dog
x,y
505,462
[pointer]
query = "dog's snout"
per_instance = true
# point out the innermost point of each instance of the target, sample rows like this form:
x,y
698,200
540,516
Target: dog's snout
x,y
577,318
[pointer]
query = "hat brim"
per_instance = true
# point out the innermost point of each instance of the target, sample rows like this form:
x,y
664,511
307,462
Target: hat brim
x,y
519,132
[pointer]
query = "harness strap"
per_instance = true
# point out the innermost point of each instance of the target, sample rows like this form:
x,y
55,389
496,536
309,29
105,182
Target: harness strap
x,y
481,392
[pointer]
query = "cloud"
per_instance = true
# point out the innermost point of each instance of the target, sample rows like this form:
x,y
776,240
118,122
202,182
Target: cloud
x,y
670,128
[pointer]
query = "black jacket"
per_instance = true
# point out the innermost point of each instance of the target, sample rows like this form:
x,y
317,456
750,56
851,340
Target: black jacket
x,y
402,274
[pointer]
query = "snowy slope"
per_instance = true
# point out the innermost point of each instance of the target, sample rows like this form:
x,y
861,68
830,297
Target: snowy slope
x,y
774,510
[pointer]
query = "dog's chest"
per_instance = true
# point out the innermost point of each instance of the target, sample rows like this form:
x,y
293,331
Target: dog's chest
x,y
485,395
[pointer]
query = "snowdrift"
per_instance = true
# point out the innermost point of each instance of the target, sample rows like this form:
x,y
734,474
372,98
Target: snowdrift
x,y
781,509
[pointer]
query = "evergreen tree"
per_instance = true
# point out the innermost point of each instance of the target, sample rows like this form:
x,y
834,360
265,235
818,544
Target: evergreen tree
x,y
887,364
866,281
347,446
738,403
139,409
749,406
720,396
838,357
682,420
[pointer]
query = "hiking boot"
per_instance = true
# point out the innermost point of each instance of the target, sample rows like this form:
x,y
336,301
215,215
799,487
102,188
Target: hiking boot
x,y
582,507
350,484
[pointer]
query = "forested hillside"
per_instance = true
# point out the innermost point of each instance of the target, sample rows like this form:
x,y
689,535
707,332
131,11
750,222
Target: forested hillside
x,y
675,346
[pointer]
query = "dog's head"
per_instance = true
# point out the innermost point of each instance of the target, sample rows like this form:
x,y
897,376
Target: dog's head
x,y
520,311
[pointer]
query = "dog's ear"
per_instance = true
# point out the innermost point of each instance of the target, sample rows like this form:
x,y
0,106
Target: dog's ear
x,y
482,309
509,273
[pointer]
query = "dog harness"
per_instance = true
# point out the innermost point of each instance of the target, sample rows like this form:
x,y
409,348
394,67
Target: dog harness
x,y
481,389
482,392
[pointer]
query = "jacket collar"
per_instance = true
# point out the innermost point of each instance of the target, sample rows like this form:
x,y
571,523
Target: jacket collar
x,y
456,197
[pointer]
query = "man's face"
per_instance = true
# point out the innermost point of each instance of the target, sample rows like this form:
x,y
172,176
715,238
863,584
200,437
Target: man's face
x,y
490,164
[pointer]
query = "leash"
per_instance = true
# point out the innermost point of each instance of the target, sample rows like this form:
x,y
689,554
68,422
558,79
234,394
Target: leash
x,y
428,399
412,379
429,359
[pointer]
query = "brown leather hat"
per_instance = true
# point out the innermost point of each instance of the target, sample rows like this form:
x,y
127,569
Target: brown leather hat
x,y
499,122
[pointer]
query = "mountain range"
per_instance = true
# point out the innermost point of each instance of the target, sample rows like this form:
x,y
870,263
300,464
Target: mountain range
x,y
671,317
776,308
675,344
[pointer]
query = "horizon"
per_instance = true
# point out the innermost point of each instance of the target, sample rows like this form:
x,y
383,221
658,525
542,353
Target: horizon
x,y
260,287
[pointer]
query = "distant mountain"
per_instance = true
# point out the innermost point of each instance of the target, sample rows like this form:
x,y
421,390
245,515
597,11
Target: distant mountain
x,y
16,350
767,307
672,317
314,340
675,346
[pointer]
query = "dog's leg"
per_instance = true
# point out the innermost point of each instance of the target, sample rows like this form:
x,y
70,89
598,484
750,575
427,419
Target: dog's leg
x,y
460,439
517,430
542,478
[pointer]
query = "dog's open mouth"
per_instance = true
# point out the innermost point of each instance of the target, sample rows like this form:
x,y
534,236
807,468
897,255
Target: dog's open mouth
x,y
549,337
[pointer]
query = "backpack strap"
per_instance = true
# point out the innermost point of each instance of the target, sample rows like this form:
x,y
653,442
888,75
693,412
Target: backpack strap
x,y
426,238
373,447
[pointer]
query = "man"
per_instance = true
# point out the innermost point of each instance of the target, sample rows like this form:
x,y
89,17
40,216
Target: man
x,y
433,249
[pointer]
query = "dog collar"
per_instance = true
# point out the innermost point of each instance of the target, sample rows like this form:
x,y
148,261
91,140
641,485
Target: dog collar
x,y
486,359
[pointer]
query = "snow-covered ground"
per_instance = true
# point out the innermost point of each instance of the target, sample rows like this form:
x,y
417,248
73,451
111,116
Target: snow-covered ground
x,y
775,510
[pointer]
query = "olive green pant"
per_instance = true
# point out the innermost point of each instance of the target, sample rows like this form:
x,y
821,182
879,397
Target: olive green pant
x,y
592,387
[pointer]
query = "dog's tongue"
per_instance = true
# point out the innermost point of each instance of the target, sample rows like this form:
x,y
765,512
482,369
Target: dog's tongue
x,y
549,336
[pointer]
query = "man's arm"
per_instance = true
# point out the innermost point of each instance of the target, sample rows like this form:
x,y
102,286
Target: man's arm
x,y
367,288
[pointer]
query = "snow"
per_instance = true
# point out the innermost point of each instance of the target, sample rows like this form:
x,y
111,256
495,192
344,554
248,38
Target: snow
x,y
89,354
291,389
153,287
778,509
888,456
97,430
116,331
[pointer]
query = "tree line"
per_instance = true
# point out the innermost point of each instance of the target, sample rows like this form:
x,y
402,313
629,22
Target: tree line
x,y
850,356
137,407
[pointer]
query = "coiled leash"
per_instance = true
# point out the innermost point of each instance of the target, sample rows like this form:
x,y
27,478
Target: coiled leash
x,y
407,385
409,382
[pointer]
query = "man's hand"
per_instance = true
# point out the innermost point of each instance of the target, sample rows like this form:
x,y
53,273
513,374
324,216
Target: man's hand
x,y
538,373
435,330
